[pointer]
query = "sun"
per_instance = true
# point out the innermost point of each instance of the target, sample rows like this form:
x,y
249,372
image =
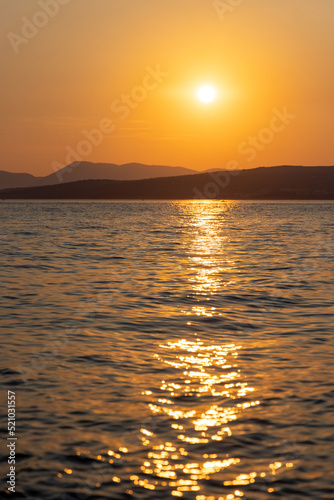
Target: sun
x,y
206,94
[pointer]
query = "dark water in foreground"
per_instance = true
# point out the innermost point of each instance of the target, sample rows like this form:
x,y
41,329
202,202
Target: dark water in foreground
x,y
172,349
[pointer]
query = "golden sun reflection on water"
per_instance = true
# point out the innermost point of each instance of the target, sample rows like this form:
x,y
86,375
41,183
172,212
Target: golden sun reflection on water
x,y
206,373
206,394
209,258
196,409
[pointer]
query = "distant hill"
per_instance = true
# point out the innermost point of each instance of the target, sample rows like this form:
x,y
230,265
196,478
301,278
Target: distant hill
x,y
85,170
283,182
12,180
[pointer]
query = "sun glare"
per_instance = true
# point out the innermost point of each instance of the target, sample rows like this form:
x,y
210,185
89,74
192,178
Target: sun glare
x,y
206,94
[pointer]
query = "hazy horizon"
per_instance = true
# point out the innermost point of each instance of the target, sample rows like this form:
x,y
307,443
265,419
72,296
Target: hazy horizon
x,y
199,171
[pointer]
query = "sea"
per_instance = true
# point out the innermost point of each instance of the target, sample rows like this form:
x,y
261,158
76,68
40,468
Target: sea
x,y
173,349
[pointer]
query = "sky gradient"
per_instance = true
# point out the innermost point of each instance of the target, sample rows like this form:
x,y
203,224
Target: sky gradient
x,y
116,80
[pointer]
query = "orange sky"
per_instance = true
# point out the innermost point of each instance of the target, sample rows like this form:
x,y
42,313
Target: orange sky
x,y
130,70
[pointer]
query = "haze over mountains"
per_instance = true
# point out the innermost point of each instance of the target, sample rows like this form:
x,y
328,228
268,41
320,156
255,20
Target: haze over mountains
x,y
85,170
271,183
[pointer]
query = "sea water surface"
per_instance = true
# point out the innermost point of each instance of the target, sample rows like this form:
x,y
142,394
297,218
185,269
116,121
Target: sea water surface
x,y
165,350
